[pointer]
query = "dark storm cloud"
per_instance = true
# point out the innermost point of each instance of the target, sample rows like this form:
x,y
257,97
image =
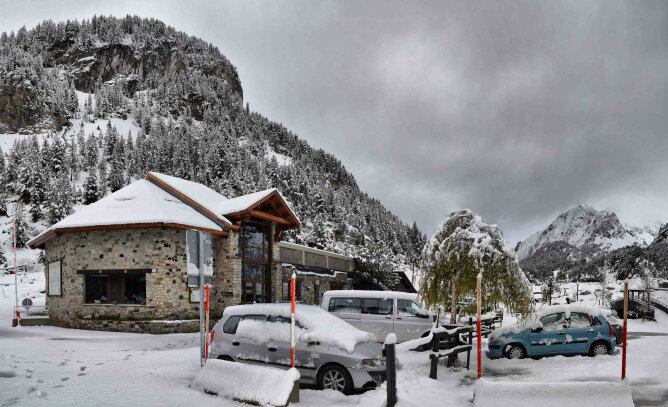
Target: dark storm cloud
x,y
516,110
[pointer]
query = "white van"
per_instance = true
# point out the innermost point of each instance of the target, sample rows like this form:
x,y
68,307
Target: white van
x,y
380,312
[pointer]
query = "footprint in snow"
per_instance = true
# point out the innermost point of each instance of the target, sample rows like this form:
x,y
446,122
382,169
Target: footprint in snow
x,y
82,368
11,402
41,394
30,389
99,364
81,374
64,379
58,386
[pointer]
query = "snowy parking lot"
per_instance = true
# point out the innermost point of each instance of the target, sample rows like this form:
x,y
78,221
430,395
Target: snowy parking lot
x,y
46,366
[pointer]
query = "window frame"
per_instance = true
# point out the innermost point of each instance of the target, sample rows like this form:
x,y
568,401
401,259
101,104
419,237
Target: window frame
x,y
264,263
360,299
48,278
364,306
120,274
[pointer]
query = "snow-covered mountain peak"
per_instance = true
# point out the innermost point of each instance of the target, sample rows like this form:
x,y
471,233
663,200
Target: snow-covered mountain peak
x,y
583,227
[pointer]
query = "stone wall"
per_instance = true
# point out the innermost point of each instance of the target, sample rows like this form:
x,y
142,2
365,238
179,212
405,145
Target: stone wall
x,y
161,249
227,275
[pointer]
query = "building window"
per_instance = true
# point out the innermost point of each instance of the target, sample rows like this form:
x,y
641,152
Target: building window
x,y
298,291
254,250
115,287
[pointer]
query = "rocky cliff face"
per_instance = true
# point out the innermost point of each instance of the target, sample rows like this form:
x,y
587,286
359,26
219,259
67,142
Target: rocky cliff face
x,y
89,55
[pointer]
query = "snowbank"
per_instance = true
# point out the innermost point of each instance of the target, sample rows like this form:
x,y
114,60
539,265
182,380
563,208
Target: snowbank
x,y
267,386
565,394
318,325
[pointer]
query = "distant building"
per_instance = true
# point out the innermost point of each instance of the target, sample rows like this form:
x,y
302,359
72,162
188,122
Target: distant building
x,y
317,271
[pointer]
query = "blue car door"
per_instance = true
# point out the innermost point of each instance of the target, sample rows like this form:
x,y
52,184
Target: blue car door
x,y
579,333
550,339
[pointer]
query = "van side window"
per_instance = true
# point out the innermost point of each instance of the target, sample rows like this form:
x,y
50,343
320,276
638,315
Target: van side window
x,y
377,306
231,324
407,307
350,305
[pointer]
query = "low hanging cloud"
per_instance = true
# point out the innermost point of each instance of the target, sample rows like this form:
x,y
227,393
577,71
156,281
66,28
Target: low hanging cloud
x,y
517,110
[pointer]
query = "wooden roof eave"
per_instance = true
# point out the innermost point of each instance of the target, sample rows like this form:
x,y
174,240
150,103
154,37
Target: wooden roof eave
x,y
292,222
39,243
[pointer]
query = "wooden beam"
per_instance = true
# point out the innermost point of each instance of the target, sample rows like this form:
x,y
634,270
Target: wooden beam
x,y
269,217
99,228
187,200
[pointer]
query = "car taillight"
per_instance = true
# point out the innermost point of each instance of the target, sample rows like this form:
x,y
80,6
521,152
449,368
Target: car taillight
x,y
213,333
610,330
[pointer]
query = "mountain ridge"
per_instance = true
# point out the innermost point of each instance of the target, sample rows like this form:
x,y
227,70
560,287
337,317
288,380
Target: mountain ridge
x,y
180,104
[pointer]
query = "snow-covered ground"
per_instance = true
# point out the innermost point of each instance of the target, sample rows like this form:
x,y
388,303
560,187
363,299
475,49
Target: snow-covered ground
x,y
47,366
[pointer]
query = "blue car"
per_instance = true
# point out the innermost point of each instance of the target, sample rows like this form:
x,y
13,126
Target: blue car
x,y
557,330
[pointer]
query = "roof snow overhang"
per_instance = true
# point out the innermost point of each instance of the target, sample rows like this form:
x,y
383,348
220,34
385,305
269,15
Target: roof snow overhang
x,y
167,183
38,241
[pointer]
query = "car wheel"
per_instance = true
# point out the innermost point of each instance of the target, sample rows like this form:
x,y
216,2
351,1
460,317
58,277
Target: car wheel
x,y
335,378
515,352
599,348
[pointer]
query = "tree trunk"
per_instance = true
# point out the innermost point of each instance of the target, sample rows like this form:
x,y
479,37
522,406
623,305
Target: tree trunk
x,y
453,304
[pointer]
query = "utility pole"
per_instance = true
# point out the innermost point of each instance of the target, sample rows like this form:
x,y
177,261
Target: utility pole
x,y
16,278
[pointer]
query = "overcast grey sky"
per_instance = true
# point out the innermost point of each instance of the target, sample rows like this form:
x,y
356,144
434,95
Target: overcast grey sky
x,y
515,110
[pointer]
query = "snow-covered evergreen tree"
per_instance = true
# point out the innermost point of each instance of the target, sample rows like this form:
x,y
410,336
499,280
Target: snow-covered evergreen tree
x,y
61,199
91,189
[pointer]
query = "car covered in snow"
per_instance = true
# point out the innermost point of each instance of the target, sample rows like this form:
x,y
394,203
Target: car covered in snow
x,y
329,352
380,312
555,330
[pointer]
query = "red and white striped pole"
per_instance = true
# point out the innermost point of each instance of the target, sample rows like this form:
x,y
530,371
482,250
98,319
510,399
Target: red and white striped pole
x,y
292,319
479,336
206,323
16,278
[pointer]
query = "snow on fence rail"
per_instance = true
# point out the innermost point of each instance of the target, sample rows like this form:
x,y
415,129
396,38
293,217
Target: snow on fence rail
x,y
263,385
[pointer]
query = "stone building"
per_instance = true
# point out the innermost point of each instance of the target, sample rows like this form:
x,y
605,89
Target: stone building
x,y
121,262
316,270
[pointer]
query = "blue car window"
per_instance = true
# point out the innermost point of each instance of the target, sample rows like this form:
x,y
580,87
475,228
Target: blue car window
x,y
580,320
553,322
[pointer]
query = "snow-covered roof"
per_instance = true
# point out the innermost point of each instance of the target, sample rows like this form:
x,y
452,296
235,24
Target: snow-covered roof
x,y
319,325
161,199
141,202
199,193
369,294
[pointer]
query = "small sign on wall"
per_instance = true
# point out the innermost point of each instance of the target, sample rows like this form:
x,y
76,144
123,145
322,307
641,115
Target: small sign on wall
x,y
55,279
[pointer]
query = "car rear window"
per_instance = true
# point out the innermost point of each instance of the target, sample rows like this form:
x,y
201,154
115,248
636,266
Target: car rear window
x,y
351,305
231,324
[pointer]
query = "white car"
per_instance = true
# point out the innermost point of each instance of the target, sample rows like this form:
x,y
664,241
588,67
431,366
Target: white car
x,y
380,312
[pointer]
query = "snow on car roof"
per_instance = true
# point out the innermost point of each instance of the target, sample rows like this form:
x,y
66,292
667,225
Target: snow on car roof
x,y
568,308
320,325
370,294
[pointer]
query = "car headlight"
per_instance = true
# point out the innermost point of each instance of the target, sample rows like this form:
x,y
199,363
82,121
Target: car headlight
x,y
377,362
